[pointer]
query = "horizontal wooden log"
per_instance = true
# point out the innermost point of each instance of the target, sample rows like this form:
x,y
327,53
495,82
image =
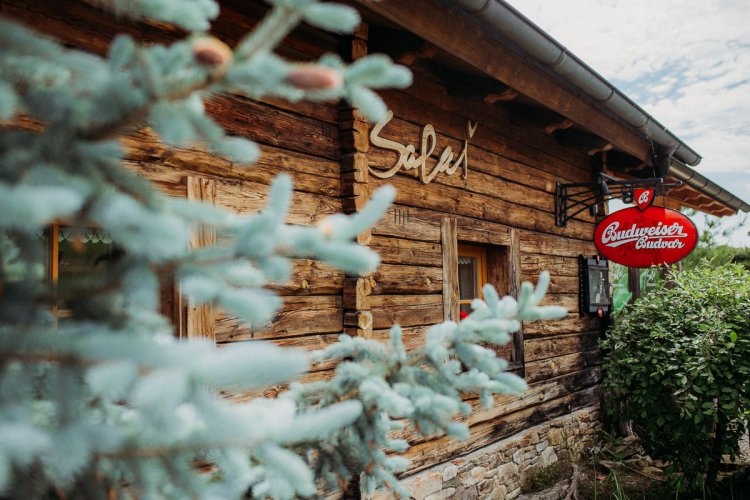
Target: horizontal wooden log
x,y
144,148
559,284
538,195
246,197
87,27
532,264
567,300
423,455
393,279
275,390
554,367
297,316
422,224
506,404
454,201
274,127
406,310
422,104
537,349
311,277
572,323
550,244
407,252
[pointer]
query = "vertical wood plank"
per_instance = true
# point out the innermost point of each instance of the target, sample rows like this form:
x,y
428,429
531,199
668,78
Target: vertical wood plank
x,y
200,319
354,141
514,272
449,242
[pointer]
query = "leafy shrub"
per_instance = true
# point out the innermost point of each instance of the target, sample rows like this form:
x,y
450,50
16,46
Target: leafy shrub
x,y
678,365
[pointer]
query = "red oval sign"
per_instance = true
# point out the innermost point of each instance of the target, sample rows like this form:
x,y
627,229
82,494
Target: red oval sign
x,y
651,237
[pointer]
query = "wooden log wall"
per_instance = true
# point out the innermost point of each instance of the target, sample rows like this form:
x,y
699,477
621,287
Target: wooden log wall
x,y
506,201
513,168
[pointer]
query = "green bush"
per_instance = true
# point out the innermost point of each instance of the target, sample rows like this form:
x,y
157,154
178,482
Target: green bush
x,y
678,365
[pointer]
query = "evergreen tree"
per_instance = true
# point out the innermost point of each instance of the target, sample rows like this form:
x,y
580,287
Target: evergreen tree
x,y
105,399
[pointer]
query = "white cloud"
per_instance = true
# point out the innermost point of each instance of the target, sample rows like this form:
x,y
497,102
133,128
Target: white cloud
x,y
686,62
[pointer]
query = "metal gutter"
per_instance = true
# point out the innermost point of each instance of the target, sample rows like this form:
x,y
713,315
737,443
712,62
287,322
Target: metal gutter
x,y
705,186
524,33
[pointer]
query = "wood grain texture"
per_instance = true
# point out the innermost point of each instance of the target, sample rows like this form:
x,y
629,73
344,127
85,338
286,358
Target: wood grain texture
x,y
423,455
449,242
406,310
505,65
200,319
297,316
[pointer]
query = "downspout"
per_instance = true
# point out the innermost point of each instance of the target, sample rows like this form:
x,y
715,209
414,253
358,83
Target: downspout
x,y
520,30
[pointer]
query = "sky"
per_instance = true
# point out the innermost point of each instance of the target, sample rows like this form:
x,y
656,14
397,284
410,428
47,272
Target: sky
x,y
685,62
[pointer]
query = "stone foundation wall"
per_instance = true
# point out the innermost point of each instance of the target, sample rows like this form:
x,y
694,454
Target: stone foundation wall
x,y
498,471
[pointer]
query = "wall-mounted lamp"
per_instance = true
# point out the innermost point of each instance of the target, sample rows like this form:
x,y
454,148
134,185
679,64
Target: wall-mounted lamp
x,y
593,276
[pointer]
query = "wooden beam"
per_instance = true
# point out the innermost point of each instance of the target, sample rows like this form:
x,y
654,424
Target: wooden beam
x,y
428,51
577,139
514,267
504,96
533,116
562,125
449,240
478,48
200,320
354,136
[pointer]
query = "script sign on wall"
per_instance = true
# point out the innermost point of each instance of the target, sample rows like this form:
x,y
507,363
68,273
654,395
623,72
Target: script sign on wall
x,y
409,158
645,237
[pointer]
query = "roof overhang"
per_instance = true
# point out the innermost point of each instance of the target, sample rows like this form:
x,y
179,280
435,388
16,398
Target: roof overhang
x,y
497,40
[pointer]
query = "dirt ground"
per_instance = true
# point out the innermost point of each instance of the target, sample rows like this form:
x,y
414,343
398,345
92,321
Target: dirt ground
x,y
597,482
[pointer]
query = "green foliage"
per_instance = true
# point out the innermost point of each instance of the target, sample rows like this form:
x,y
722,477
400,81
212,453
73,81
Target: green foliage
x,y
710,248
105,401
678,365
621,295
649,279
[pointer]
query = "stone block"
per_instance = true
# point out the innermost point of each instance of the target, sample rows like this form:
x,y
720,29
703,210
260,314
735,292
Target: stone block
x,y
442,494
518,457
541,446
549,457
450,472
507,472
514,493
534,438
498,493
485,487
426,485
555,437
477,474
466,493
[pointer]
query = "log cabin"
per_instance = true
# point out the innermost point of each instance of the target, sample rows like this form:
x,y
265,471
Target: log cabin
x,y
498,115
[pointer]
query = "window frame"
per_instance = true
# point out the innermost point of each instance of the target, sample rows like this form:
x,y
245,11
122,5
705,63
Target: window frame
x,y
501,245
479,253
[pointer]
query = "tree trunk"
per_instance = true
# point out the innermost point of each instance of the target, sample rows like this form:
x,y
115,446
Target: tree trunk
x,y
713,468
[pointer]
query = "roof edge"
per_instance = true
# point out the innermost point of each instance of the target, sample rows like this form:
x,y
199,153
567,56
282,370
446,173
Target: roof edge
x,y
549,53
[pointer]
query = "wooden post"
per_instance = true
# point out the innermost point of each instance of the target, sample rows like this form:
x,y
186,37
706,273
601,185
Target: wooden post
x,y
634,283
354,135
514,266
199,320
449,240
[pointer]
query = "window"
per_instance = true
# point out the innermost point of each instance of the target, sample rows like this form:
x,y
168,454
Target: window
x,y
468,266
472,275
74,254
